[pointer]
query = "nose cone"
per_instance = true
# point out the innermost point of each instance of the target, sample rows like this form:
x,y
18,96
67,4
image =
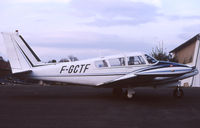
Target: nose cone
x,y
176,67
195,70
168,69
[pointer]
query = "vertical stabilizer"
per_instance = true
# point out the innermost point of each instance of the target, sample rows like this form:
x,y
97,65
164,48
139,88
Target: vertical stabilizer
x,y
21,57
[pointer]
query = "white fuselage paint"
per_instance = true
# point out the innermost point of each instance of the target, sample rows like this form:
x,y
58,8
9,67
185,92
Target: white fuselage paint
x,y
81,72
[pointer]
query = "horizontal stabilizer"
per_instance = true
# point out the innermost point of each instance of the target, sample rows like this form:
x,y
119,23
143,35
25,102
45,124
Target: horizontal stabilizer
x,y
21,71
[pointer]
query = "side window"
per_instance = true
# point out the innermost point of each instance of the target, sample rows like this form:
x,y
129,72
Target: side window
x,y
135,60
117,62
142,60
101,64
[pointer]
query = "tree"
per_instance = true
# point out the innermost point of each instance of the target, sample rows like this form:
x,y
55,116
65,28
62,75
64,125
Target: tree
x,y
72,58
4,67
52,61
159,53
64,60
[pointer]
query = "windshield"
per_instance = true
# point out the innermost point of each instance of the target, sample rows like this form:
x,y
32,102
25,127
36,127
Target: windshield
x,y
150,59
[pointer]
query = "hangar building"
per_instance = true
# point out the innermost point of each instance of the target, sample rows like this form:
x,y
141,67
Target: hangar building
x,y
189,53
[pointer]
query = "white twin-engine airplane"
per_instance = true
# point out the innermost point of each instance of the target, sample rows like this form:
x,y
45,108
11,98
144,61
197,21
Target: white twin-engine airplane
x,y
120,72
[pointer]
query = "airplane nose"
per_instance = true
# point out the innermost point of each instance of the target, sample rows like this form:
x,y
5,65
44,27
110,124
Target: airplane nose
x,y
194,67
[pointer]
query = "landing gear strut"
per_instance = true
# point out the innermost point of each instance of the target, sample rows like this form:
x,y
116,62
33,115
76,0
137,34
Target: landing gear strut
x,y
178,92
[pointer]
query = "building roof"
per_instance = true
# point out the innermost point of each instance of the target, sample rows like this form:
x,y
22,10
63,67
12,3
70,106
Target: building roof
x,y
197,37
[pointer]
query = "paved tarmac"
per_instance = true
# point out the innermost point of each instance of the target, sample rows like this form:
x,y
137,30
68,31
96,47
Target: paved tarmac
x,y
28,106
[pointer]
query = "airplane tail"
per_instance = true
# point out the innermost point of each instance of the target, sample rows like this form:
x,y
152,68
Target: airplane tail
x,y
21,57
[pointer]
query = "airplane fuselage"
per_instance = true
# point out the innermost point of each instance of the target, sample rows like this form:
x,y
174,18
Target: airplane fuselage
x,y
86,72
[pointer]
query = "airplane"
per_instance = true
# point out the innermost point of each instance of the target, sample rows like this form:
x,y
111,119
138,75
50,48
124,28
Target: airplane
x,y
122,72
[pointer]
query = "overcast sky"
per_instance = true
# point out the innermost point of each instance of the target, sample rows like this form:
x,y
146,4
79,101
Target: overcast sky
x,y
92,28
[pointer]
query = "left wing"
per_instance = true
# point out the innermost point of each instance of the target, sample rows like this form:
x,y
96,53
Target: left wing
x,y
121,81
151,76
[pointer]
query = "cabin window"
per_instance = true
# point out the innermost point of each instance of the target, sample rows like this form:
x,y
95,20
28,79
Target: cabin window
x,y
101,64
135,60
150,59
117,62
142,60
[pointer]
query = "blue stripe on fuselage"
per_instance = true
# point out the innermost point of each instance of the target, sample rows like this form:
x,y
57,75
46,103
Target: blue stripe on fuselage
x,y
162,64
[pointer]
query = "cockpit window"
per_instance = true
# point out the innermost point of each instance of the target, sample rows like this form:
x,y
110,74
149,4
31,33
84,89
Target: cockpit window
x,y
135,60
101,64
117,62
150,59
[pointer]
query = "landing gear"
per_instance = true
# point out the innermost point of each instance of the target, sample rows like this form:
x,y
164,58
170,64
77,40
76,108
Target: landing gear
x,y
129,94
178,92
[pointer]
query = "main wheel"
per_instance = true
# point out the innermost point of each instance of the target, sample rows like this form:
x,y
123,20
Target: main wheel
x,y
178,93
129,94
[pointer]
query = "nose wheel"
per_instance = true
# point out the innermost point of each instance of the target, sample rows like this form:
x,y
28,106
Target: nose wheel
x,y
178,93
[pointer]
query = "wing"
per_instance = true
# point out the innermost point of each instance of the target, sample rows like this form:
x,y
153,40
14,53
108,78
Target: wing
x,y
125,81
150,77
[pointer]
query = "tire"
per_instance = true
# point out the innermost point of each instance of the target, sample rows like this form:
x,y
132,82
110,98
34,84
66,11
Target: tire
x,y
129,96
178,93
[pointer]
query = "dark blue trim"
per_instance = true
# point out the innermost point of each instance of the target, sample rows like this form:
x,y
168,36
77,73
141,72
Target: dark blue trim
x,y
33,53
161,64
